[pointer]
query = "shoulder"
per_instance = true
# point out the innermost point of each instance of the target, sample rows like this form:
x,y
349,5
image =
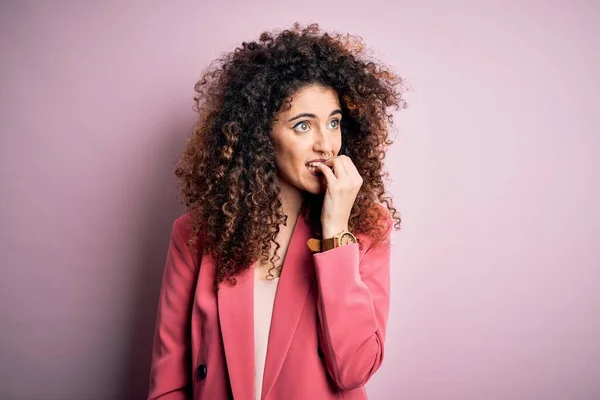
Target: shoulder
x,y
381,217
183,237
183,225
384,217
383,221
183,228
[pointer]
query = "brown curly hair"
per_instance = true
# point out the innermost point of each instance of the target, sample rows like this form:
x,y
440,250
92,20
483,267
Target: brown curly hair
x,y
227,171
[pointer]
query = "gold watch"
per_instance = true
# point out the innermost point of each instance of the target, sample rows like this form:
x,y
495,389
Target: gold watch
x,y
341,239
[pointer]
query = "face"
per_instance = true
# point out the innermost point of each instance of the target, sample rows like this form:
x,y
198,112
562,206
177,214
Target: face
x,y
303,133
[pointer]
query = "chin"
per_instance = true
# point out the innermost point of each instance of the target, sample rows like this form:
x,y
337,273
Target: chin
x,y
310,185
315,188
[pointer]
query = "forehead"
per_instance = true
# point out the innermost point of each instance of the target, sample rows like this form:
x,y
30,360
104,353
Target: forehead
x,y
314,99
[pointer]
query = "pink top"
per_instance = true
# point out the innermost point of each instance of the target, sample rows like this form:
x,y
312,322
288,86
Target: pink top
x,y
264,299
336,301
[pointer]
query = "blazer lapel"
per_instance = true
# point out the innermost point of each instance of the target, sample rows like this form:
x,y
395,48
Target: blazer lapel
x,y
236,316
294,285
236,313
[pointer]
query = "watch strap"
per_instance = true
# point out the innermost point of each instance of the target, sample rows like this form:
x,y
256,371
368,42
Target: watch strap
x,y
314,245
329,243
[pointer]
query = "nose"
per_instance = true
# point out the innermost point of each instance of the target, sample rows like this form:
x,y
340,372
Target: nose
x,y
323,143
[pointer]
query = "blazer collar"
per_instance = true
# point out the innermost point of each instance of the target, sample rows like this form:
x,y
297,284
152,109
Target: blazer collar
x,y
236,316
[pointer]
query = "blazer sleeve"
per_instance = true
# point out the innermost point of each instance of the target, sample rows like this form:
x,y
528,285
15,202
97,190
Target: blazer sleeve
x,y
353,309
171,353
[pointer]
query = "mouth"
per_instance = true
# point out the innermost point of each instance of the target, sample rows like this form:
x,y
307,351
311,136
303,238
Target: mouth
x,y
313,170
312,167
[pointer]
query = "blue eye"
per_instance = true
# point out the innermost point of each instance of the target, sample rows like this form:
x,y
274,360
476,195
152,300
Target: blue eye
x,y
303,124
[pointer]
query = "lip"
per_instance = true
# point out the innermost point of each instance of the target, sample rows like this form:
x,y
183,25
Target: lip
x,y
316,172
322,160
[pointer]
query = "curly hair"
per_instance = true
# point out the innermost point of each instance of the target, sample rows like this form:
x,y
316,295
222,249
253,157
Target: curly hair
x,y
227,172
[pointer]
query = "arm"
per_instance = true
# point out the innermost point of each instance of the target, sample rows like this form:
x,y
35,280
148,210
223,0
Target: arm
x,y
171,354
353,309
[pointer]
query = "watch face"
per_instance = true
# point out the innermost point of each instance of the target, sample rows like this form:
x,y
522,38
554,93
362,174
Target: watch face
x,y
347,238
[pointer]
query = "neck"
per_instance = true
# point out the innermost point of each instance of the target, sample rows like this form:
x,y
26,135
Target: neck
x,y
291,199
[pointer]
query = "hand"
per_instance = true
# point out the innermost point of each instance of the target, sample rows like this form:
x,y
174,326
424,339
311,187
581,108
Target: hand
x,y
342,186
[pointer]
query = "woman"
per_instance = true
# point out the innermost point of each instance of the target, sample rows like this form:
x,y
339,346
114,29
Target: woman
x,y
276,284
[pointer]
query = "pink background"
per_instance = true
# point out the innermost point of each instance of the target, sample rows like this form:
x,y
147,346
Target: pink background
x,y
496,274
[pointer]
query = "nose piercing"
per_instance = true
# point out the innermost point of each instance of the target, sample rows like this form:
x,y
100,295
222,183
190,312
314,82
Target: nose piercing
x,y
326,156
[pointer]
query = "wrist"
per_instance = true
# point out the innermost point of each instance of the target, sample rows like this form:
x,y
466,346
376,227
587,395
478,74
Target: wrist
x,y
332,230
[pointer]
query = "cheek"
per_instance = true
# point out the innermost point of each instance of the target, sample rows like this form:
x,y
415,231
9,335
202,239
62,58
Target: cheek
x,y
337,145
288,156
287,161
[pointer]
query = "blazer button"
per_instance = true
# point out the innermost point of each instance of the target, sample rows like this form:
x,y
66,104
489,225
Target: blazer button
x,y
201,371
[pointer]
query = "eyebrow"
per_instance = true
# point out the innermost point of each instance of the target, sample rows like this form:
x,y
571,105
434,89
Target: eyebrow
x,y
308,115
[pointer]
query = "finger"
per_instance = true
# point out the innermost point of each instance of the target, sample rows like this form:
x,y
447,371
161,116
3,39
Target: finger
x,y
350,176
339,167
351,168
328,173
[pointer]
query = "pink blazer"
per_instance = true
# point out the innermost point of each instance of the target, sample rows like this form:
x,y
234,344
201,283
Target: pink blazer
x,y
327,332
